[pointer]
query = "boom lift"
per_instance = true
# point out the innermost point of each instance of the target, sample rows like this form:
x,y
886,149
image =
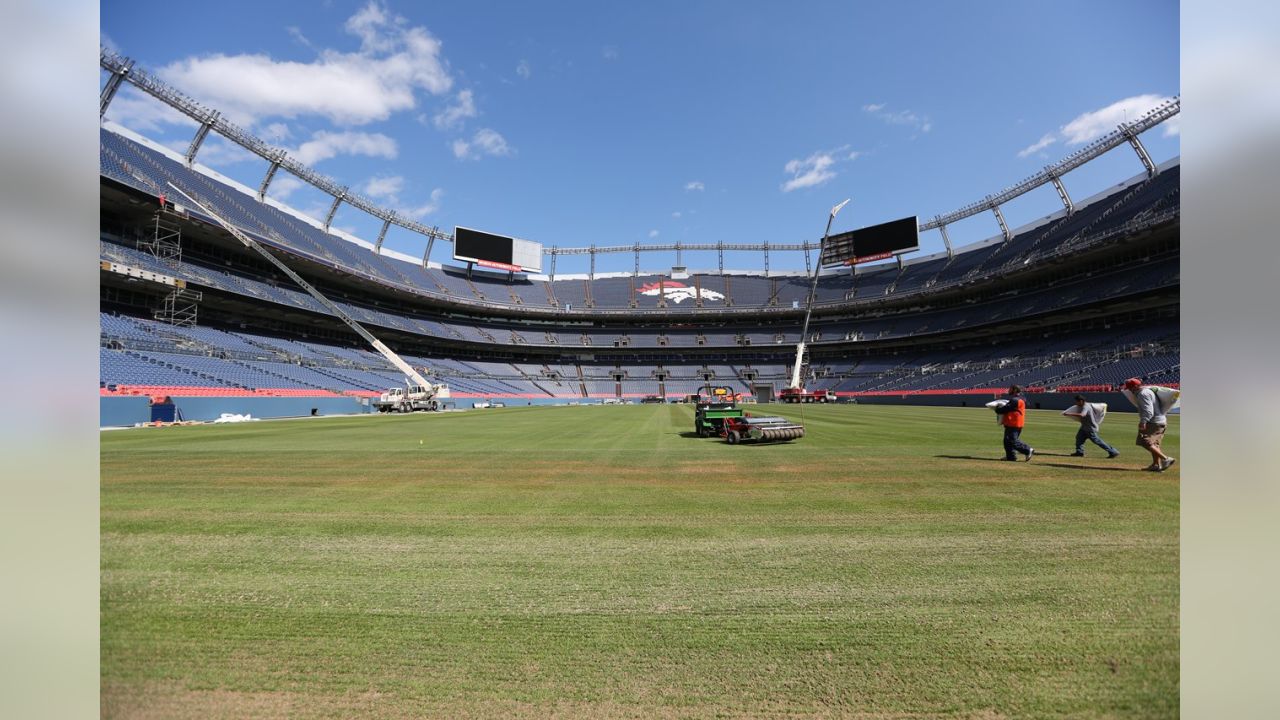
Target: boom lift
x,y
425,395
796,392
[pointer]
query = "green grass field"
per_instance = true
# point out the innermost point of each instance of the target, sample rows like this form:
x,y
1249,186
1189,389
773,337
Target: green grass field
x,y
599,562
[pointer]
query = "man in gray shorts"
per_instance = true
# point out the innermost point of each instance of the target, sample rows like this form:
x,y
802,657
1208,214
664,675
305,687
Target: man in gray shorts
x,y
1151,424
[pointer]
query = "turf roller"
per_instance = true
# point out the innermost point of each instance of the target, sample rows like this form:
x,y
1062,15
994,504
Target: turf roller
x,y
762,429
776,434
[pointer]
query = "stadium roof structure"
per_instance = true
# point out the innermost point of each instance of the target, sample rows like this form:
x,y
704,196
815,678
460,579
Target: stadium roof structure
x,y
122,69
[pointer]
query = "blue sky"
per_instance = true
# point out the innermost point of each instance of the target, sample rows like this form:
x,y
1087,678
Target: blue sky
x,y
576,123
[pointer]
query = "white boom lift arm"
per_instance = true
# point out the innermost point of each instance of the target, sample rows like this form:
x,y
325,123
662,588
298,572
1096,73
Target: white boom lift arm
x,y
808,308
385,351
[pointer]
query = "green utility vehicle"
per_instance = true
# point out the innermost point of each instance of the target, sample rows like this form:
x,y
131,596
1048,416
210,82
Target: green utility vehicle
x,y
714,405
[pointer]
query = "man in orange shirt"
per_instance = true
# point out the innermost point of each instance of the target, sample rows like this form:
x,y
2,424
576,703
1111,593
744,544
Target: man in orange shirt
x,y
1013,415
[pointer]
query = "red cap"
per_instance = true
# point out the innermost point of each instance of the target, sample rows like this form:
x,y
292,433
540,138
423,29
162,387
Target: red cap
x,y
1132,384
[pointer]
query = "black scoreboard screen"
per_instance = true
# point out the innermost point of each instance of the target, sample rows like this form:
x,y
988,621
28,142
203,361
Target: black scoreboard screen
x,y
496,251
875,242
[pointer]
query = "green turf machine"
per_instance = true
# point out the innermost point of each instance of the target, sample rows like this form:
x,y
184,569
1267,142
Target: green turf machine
x,y
715,404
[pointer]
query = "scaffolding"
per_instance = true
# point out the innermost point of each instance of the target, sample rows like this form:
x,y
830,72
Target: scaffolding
x,y
163,241
179,308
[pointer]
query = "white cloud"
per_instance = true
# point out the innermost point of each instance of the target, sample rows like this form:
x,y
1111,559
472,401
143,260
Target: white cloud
x,y
653,234
813,170
1173,126
387,188
609,52
370,24
1092,125
901,117
816,169
1044,142
324,145
427,208
296,33
523,69
275,132
135,110
282,186
677,214
453,115
695,185
394,61
384,187
485,142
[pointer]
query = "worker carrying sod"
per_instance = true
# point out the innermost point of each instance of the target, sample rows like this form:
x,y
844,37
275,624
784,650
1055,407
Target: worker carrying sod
x,y
1012,411
1090,415
1153,402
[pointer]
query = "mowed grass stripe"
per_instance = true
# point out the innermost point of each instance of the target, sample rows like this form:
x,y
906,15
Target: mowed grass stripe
x,y
597,562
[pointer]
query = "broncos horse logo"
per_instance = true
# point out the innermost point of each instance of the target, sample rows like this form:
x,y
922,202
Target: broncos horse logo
x,y
678,292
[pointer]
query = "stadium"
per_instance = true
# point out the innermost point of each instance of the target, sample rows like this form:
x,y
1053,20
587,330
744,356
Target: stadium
x,y
529,552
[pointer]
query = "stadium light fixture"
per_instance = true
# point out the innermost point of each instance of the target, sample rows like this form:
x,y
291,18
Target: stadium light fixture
x,y
835,211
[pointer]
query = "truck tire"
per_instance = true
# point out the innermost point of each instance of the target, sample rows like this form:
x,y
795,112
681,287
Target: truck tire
x,y
732,438
702,431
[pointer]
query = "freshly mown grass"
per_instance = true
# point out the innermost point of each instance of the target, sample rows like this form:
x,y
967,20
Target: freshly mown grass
x,y
602,562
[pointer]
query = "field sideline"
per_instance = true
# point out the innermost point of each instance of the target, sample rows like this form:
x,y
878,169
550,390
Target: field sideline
x,y
600,562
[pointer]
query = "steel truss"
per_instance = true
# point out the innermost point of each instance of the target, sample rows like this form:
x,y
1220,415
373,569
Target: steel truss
x,y
124,69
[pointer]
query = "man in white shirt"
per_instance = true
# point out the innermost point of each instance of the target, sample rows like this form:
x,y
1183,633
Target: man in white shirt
x,y
1151,424
1090,416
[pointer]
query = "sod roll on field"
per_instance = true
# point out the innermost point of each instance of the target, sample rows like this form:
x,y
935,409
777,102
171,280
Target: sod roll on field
x,y
603,562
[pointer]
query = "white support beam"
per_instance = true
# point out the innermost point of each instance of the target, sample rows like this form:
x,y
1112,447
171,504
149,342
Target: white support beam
x,y
1136,144
201,133
333,209
1062,193
426,255
114,80
382,235
266,179
1004,228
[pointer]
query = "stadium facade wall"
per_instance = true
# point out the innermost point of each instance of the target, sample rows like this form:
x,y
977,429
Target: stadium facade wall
x,y
123,411
1115,401
128,411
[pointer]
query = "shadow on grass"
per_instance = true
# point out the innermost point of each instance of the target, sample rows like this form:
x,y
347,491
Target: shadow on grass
x,y
1092,467
1068,466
